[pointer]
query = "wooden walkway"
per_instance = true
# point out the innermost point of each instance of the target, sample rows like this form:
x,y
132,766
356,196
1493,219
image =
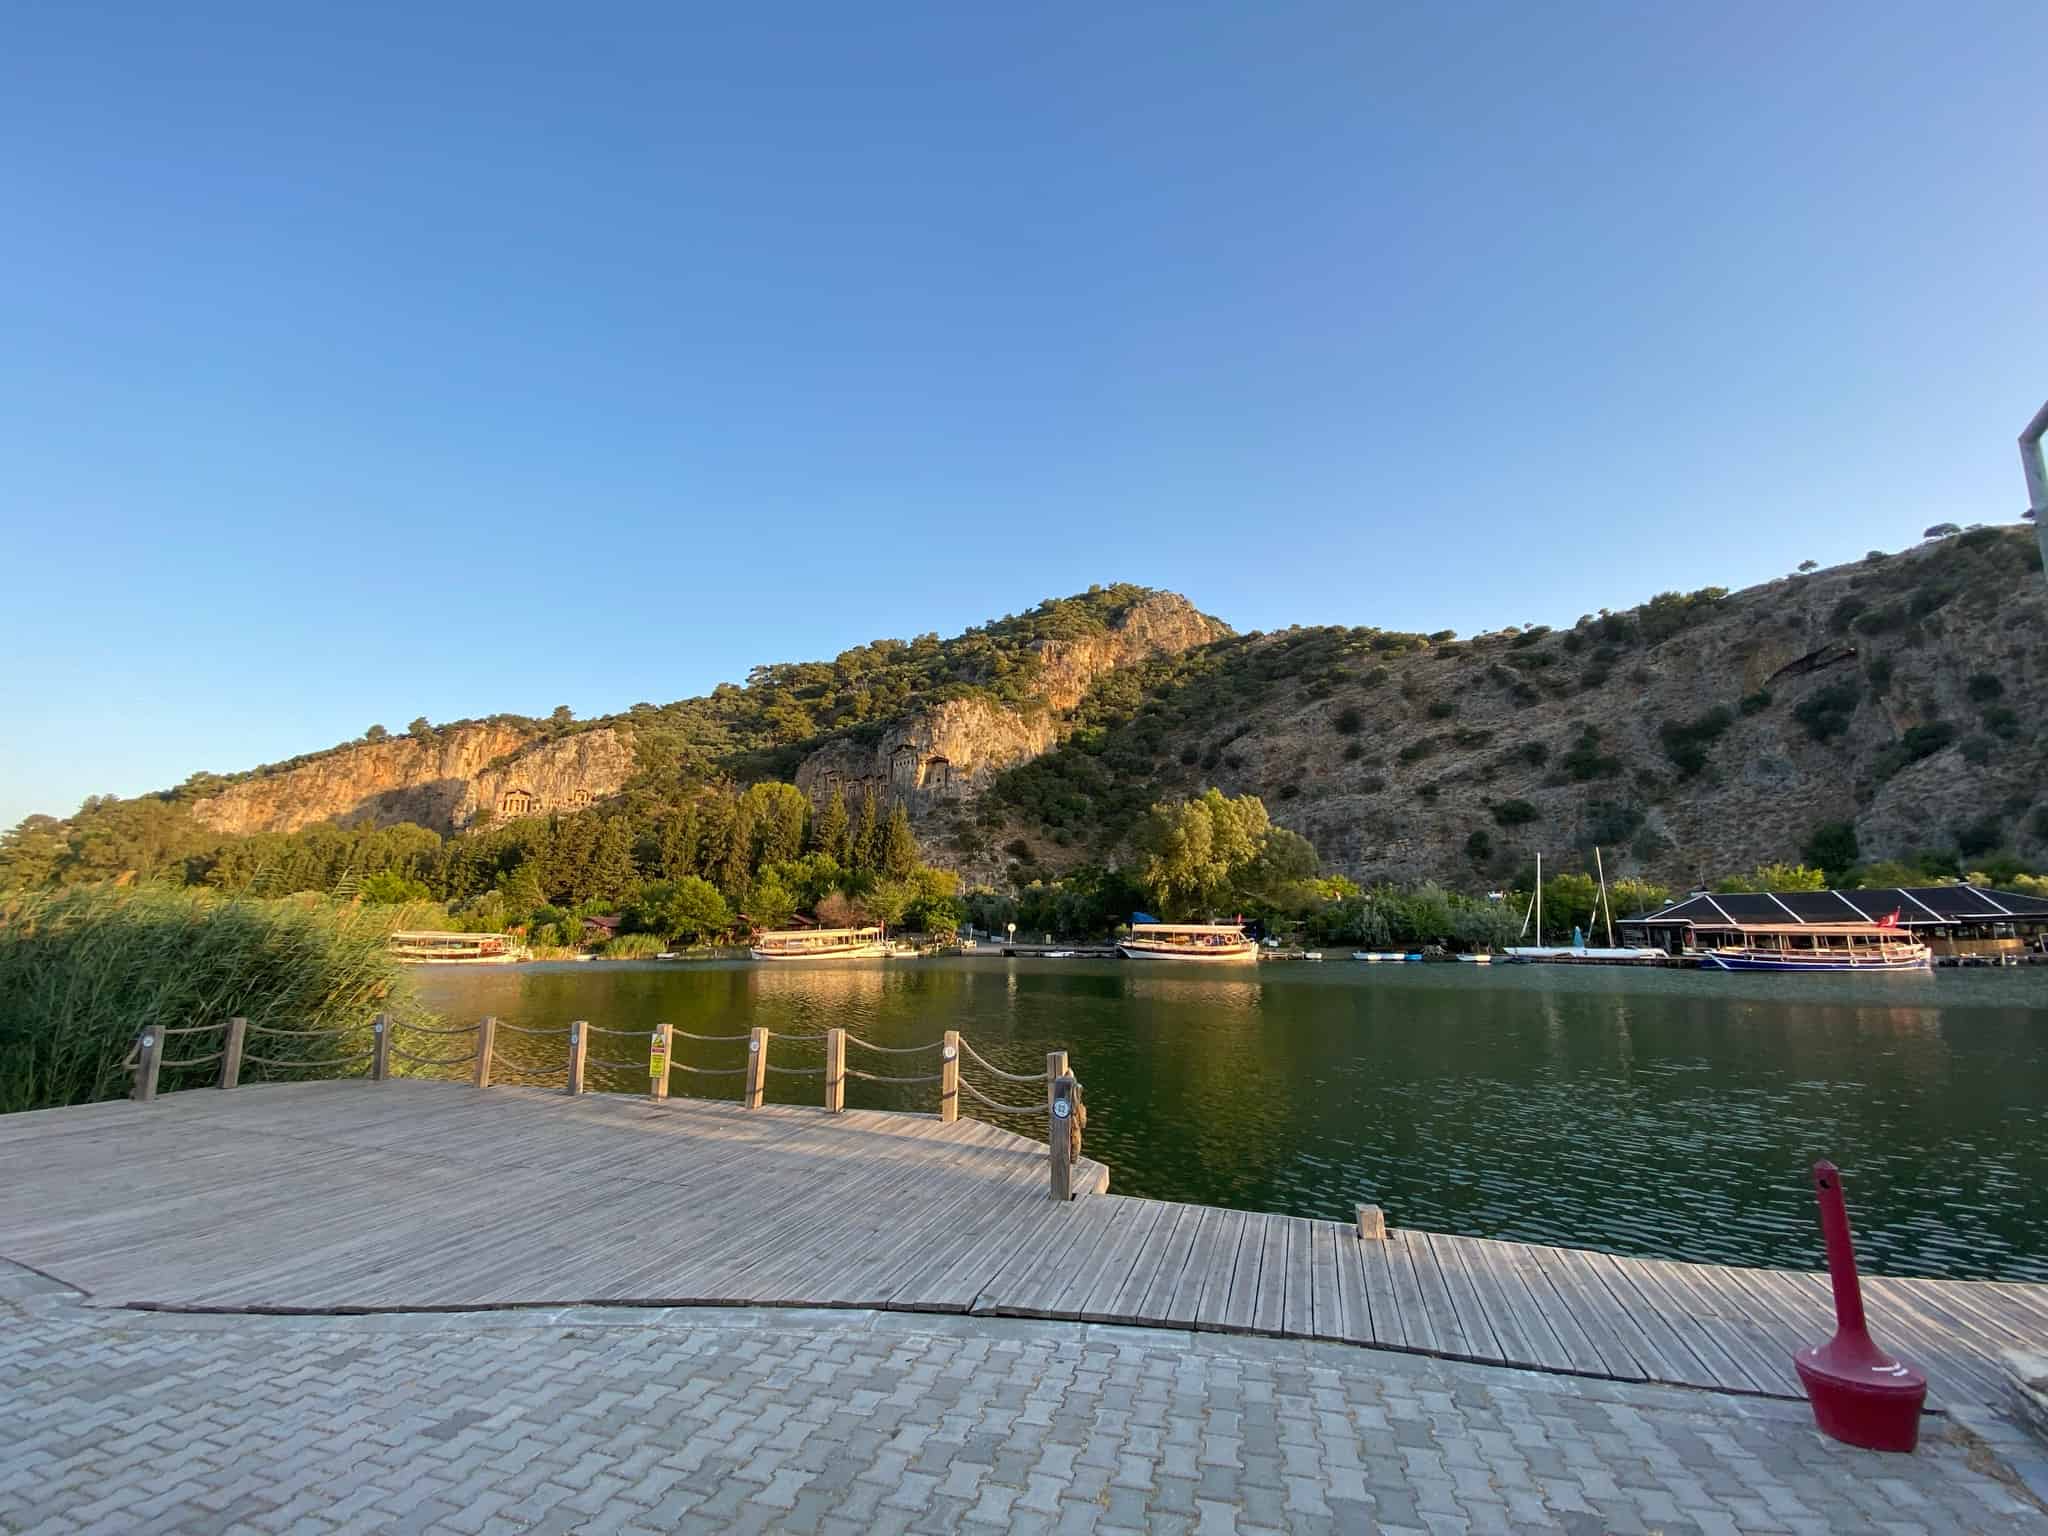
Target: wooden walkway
x,y
357,1196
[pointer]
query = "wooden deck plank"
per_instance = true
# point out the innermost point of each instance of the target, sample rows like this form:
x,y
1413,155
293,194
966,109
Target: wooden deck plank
x,y
1576,1346
1326,1297
1638,1285
1435,1293
1356,1326
1478,1328
1206,1255
1383,1309
1417,1323
1237,1231
1297,1310
1145,1294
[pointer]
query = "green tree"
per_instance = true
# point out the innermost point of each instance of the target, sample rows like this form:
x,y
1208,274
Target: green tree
x,y
523,893
775,813
771,904
1833,849
829,834
388,888
420,730
866,850
375,733
1775,877
898,854
610,876
889,900
689,908
1192,850
563,715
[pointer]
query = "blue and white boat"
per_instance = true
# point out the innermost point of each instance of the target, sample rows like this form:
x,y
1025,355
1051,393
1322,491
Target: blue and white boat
x,y
1819,947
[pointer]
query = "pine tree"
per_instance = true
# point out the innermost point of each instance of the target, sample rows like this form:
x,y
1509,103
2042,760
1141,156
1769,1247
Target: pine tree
x,y
898,855
678,856
828,829
610,875
866,849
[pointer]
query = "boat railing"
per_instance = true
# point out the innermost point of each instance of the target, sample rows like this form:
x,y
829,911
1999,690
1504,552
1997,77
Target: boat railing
x,y
471,1050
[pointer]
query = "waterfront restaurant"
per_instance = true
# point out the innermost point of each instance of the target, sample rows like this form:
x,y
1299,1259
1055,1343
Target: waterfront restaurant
x,y
1954,921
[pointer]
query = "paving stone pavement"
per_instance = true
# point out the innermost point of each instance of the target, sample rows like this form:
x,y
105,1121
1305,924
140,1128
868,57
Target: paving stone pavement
x,y
626,1421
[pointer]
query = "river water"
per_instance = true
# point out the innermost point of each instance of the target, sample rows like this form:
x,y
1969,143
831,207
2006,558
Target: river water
x,y
1667,1113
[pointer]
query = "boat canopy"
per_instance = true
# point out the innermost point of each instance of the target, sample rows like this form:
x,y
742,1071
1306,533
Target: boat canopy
x,y
818,933
1155,927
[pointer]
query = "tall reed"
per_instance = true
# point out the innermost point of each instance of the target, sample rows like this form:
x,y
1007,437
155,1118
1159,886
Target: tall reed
x,y
84,970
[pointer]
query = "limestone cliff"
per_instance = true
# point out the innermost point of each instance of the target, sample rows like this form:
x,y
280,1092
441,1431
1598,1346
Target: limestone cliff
x,y
441,782
947,752
1164,624
951,750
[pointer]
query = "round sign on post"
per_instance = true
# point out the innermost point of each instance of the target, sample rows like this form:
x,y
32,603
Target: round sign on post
x,y
1062,1109
949,1053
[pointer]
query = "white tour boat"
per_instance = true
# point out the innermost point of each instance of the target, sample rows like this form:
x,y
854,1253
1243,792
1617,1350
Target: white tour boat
x,y
433,947
1208,942
1881,946
819,944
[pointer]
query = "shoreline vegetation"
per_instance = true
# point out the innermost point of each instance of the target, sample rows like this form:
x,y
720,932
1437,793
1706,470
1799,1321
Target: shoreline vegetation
x,y
84,970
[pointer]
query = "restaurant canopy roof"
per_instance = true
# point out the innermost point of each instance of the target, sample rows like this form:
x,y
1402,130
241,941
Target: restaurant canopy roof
x,y
1917,906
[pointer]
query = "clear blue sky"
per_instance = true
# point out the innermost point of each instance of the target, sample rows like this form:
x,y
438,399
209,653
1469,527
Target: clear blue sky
x,y
447,359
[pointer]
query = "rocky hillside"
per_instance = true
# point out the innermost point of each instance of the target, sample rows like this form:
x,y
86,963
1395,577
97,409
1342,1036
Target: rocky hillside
x,y
443,780
929,723
1699,733
1905,694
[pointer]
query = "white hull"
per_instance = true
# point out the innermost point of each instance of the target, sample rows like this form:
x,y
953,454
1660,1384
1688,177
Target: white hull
x,y
1231,956
873,951
1531,952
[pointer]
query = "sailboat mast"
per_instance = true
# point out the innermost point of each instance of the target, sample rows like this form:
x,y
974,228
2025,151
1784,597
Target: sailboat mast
x,y
1539,898
1606,902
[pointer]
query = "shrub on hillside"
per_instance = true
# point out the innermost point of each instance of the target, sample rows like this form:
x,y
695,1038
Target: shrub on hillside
x,y
1826,712
1350,720
1514,813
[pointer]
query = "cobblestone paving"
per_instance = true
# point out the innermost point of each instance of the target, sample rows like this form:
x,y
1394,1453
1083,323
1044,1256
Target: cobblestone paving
x,y
839,1422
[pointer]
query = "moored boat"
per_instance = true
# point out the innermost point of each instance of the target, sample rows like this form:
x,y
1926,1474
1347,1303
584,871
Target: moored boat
x,y
1387,956
433,947
1211,943
818,944
1882,946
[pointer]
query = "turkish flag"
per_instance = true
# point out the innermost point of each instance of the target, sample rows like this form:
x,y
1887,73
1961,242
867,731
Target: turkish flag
x,y
1890,919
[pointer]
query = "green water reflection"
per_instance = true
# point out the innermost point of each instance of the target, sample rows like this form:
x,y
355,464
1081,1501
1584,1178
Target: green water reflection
x,y
1657,1112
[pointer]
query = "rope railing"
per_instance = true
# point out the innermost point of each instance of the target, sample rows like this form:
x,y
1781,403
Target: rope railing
x,y
279,1061
1062,1104
1006,1109
892,1050
434,1061
194,1061
1008,1077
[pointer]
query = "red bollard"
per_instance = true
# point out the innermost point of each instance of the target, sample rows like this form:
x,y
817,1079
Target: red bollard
x,y
1860,1395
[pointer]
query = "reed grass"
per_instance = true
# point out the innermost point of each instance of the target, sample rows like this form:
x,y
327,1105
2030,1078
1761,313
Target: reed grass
x,y
632,946
84,970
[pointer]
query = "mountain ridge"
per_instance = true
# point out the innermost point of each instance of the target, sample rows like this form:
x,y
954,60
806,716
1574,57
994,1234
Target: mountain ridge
x,y
1899,695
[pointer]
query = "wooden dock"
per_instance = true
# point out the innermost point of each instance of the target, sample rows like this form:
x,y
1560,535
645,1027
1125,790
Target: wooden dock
x,y
402,1195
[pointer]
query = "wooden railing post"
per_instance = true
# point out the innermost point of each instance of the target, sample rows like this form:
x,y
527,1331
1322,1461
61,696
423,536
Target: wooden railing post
x,y
1055,1069
579,1047
149,1055
1061,1137
949,1078
658,1047
835,1070
757,1067
380,1048
1372,1224
231,1052
486,1039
